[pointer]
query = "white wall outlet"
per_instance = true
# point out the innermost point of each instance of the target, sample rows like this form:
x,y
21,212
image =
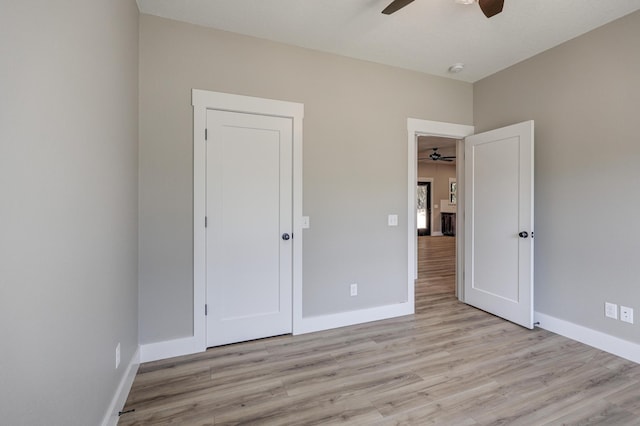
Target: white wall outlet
x,y
118,355
626,314
611,310
354,289
393,220
305,222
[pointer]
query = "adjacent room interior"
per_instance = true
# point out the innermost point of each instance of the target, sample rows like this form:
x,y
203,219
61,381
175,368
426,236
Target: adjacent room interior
x,y
436,212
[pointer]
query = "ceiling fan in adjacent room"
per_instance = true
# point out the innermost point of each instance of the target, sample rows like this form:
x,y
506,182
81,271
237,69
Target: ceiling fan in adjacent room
x,y
436,156
489,7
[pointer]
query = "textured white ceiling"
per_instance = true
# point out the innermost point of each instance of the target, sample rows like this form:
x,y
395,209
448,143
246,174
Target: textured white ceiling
x,y
426,36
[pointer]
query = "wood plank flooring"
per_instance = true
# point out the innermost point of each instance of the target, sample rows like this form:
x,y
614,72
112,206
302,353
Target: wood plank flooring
x,y
449,364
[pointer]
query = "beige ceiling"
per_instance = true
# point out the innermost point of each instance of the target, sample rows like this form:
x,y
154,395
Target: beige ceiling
x,y
426,36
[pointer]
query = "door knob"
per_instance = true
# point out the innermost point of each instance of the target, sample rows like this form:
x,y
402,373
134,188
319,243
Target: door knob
x,y
285,236
523,234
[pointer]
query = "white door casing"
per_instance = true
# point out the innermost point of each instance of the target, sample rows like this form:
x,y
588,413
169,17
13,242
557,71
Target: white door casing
x,y
499,222
249,212
417,127
203,101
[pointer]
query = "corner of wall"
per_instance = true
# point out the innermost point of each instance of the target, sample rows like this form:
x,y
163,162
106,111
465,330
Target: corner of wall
x,y
122,392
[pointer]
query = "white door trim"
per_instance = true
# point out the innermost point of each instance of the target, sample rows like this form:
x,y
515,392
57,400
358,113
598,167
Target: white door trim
x,y
415,128
203,100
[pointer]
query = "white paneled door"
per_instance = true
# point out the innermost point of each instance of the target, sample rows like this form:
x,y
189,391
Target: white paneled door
x,y
499,222
249,226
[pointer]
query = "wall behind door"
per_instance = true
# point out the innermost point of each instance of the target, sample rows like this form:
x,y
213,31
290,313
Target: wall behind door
x,y
584,97
355,162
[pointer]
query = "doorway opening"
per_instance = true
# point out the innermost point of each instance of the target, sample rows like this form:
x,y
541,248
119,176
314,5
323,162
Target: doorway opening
x,y
436,201
415,129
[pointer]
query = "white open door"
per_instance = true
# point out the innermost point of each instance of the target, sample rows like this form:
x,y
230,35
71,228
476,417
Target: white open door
x,y
499,222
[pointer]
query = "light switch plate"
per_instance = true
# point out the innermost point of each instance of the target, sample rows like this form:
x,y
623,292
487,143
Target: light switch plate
x,y
118,356
393,220
305,222
353,289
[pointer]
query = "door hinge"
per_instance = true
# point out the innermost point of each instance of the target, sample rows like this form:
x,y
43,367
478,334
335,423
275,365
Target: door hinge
x,y
206,310
205,221
205,134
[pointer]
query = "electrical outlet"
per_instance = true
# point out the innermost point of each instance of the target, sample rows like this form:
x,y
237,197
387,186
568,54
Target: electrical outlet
x,y
118,355
626,314
611,310
354,289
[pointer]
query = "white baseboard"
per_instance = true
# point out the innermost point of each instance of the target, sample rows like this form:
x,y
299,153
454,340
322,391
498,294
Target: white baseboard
x,y
588,336
170,348
122,392
437,234
191,345
343,319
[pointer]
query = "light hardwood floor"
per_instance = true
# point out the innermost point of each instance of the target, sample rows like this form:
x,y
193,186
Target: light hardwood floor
x,y
449,364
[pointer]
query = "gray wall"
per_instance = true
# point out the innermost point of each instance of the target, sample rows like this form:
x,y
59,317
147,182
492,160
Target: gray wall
x,y
355,155
68,207
585,98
